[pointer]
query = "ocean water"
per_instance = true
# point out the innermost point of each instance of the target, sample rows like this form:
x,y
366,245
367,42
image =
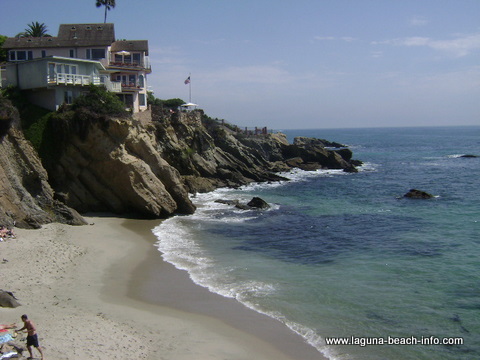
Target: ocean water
x,y
344,255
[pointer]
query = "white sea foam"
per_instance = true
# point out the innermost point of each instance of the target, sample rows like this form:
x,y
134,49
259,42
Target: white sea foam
x,y
367,166
454,156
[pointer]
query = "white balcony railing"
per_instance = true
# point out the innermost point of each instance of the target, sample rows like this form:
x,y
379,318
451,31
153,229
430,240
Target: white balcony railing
x,y
72,79
112,86
144,63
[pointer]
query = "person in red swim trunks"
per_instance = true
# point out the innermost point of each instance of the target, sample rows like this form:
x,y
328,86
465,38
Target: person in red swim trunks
x,y
32,338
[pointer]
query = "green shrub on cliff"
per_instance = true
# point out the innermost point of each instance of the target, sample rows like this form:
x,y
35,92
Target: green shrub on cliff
x,y
169,104
101,102
34,119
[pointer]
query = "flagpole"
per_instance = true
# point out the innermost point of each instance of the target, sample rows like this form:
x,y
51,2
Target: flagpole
x,y
190,88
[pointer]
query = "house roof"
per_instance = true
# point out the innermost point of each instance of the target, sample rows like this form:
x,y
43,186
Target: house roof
x,y
63,59
130,45
88,34
69,35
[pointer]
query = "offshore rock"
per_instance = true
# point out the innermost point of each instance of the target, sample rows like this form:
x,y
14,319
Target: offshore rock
x,y
418,194
255,203
306,141
26,198
258,203
314,153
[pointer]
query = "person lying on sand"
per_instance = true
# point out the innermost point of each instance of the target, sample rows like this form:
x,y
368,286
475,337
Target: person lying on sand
x,y
7,326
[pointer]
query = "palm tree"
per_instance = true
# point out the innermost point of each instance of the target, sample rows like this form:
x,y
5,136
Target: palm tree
x,y
109,4
35,29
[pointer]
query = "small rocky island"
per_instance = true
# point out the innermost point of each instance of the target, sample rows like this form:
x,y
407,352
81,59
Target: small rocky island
x,y
89,161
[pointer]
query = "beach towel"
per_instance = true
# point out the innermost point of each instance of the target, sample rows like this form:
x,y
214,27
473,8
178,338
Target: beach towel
x,y
5,338
10,355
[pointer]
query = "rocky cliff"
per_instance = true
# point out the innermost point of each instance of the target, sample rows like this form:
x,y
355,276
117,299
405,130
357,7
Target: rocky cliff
x,y
146,169
26,198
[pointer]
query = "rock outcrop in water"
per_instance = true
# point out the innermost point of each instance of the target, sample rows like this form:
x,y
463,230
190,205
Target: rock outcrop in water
x,y
418,194
146,169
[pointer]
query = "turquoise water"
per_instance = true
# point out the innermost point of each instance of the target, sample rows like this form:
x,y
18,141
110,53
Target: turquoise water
x,y
342,255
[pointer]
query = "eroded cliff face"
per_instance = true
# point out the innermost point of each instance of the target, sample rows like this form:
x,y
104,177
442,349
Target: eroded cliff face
x,y
209,157
26,198
115,166
146,169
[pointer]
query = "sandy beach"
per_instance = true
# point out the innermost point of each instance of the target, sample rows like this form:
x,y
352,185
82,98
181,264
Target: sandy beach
x,y
101,291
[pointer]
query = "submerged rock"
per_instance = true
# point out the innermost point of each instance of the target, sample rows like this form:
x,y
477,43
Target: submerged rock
x,y
258,203
255,203
469,156
418,194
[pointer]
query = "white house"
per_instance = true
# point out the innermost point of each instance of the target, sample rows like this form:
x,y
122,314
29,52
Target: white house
x,y
55,70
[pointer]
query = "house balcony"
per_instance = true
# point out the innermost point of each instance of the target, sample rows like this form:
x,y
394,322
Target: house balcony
x,y
85,80
129,65
112,86
131,87
72,79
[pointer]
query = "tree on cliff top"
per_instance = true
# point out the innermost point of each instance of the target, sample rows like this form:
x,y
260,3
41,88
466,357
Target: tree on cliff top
x,y
3,52
169,104
35,29
109,4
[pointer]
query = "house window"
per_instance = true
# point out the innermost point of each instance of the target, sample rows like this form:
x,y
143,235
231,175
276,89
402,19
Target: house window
x,y
141,99
72,53
68,97
95,54
122,78
141,81
131,80
21,55
51,72
44,53
136,58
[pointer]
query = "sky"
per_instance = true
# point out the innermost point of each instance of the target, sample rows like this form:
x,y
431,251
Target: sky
x,y
299,64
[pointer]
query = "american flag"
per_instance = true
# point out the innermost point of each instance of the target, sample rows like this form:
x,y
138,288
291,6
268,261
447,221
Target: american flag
x,y
187,81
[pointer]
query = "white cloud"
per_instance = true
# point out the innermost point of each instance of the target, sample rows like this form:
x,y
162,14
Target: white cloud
x,y
330,38
415,41
461,46
418,21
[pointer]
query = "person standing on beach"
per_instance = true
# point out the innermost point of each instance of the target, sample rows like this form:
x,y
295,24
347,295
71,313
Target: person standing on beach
x,y
32,337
